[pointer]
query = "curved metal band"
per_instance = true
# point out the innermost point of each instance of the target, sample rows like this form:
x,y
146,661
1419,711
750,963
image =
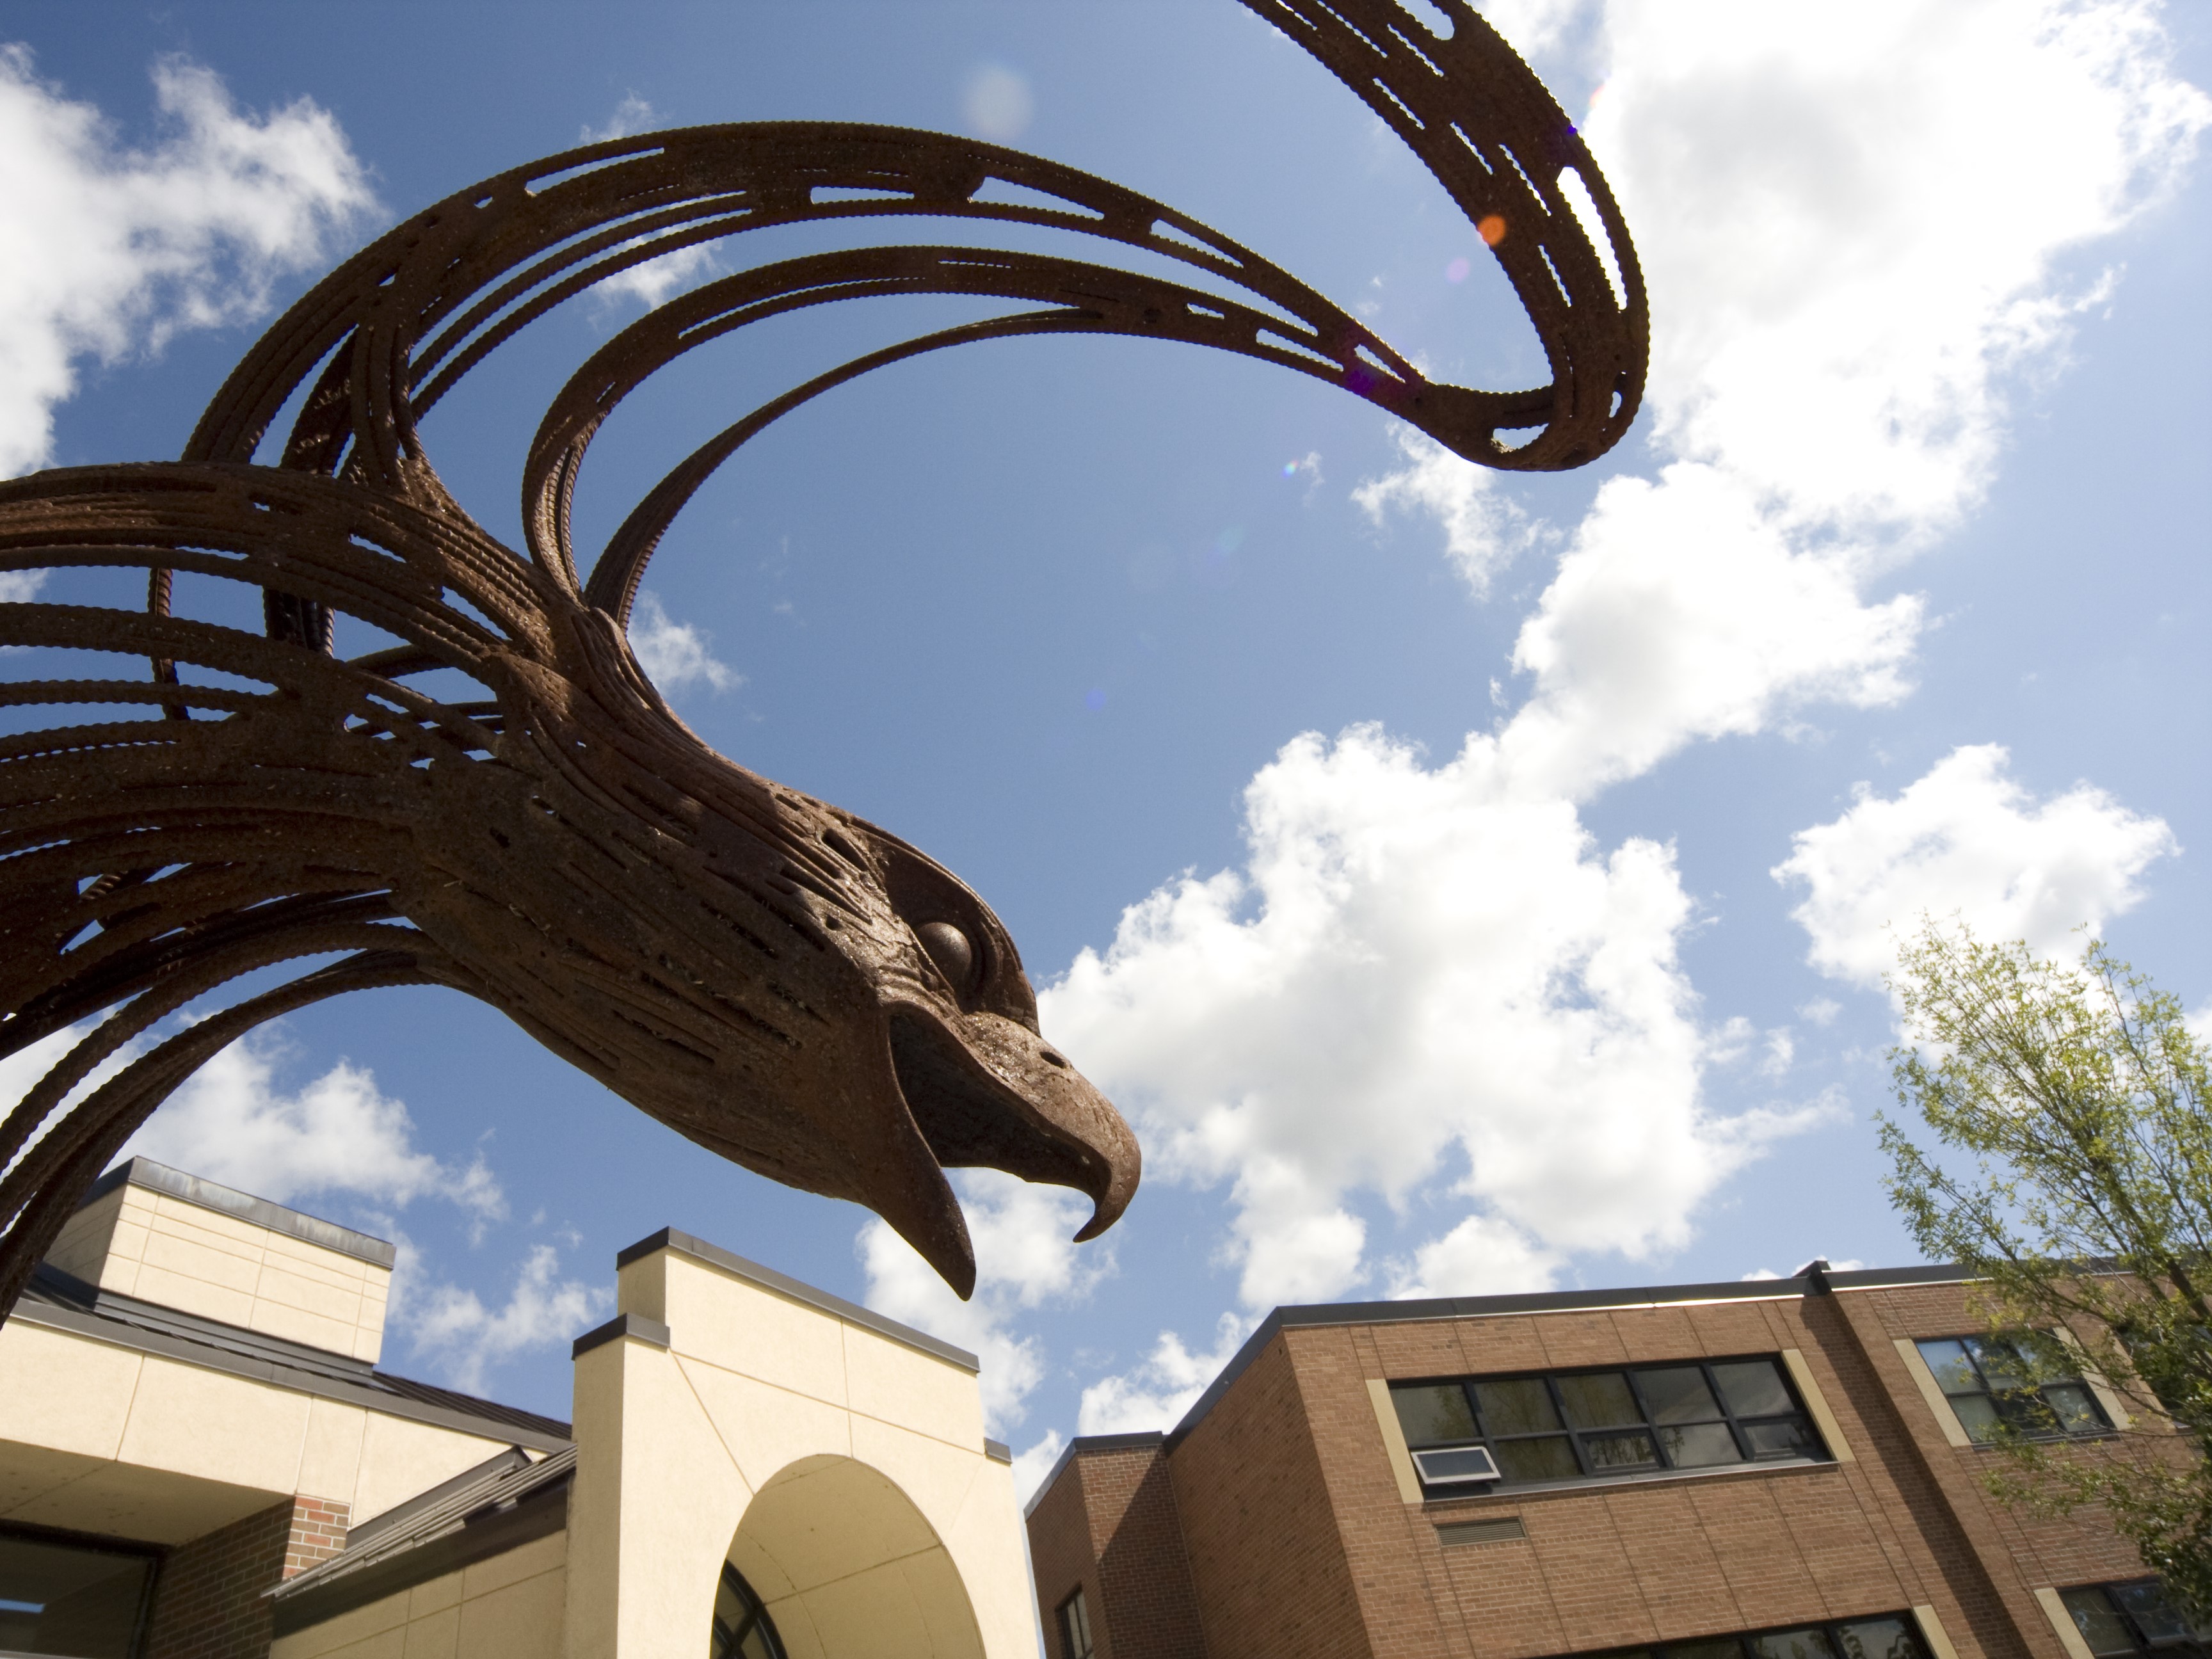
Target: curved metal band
x,y
396,327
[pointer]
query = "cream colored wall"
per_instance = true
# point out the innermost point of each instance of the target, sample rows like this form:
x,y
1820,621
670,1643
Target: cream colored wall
x,y
103,1439
157,1247
508,1608
761,1410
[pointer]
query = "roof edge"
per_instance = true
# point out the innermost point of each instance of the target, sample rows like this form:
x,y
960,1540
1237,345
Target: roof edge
x,y
1814,1283
671,1238
1088,1443
229,1201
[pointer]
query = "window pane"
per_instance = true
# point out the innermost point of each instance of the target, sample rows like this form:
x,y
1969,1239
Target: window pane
x,y
1608,1452
1434,1416
1793,1645
1523,1406
1878,1638
1948,1359
1466,1463
1787,1436
2025,1412
1976,1414
2074,1407
56,1598
1600,1401
2158,1618
1719,1647
2099,1621
1752,1388
1677,1395
1699,1445
1549,1459
2000,1366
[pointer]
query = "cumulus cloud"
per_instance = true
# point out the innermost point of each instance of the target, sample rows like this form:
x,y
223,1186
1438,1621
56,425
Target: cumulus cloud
x,y
1025,1258
105,249
1157,1392
1483,529
674,655
1858,233
1966,841
1480,1256
467,1339
1413,974
338,1133
1850,221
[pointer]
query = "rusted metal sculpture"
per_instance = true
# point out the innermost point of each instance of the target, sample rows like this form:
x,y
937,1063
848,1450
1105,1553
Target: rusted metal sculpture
x,y
771,976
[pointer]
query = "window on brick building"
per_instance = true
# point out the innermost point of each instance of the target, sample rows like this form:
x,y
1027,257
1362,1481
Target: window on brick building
x,y
743,1629
60,1595
1075,1628
1989,1385
2121,1621
1890,1636
1472,1433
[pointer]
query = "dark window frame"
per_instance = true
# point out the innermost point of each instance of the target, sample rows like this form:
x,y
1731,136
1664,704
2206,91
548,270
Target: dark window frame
x,y
98,1544
727,1640
2129,1618
2005,1412
1829,1629
1651,1427
1074,1609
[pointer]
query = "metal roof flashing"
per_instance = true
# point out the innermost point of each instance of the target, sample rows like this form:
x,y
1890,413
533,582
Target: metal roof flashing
x,y
229,1201
671,1238
1817,1282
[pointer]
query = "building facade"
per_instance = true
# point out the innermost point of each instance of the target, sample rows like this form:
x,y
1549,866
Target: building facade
x,y
200,1458
1785,1470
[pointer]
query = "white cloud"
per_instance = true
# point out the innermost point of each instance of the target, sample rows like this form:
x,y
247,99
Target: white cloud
x,y
1025,1258
655,280
1967,840
1157,1392
468,1339
632,115
1483,529
674,655
339,1133
1849,221
1033,1463
1411,976
1481,1256
105,249
1682,611
995,103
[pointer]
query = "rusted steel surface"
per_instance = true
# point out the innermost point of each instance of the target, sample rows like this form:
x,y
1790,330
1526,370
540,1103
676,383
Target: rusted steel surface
x,y
771,976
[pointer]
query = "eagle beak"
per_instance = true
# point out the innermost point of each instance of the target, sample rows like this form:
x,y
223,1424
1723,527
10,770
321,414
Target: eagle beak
x,y
985,1090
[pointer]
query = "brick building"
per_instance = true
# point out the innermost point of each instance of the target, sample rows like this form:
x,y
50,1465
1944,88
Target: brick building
x,y
1785,1470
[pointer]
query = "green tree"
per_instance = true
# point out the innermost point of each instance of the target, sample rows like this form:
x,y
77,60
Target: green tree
x,y
2075,1185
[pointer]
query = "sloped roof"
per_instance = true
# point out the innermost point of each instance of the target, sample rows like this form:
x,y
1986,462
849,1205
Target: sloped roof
x,y
504,1502
58,1300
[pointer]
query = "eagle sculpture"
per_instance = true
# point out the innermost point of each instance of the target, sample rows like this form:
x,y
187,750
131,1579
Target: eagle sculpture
x,y
774,978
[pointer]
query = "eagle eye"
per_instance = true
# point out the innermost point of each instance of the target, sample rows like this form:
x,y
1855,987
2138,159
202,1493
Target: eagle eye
x,y
952,951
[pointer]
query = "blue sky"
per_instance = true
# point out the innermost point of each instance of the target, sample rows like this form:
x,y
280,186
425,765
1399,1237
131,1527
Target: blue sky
x,y
1463,882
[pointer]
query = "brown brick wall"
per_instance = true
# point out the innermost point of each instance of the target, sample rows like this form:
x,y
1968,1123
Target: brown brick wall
x,y
1267,1555
210,1601
1110,1525
1299,1543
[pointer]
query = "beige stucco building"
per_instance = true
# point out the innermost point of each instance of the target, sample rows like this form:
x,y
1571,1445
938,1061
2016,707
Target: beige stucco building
x,y
199,1456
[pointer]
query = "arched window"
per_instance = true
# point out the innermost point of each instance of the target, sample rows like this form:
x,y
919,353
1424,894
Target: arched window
x,y
743,1629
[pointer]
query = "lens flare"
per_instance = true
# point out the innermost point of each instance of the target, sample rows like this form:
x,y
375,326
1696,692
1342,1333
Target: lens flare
x,y
1491,229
